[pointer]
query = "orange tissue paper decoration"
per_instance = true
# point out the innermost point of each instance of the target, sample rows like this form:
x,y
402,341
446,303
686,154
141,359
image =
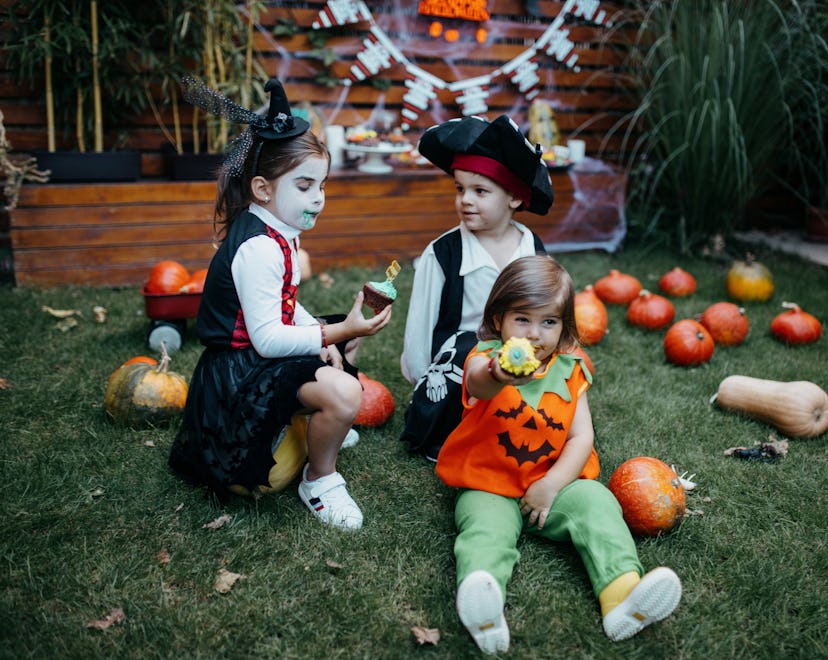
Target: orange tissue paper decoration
x,y
470,10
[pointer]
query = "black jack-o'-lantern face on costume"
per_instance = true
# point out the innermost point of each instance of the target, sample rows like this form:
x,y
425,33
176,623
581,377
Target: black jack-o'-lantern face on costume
x,y
538,443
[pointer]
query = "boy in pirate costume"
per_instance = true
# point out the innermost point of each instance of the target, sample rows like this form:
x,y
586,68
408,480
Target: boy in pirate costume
x,y
496,173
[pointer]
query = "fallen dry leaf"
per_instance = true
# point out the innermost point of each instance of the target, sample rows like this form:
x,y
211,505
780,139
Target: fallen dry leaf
x,y
149,443
180,507
326,280
163,557
226,580
66,324
333,564
116,615
99,313
218,522
426,635
61,313
4,384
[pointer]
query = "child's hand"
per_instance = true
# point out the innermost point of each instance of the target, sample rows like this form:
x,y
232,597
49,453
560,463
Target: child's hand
x,y
507,378
331,355
359,326
356,325
538,499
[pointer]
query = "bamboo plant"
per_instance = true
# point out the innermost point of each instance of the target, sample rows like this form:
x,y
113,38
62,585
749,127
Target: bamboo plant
x,y
84,56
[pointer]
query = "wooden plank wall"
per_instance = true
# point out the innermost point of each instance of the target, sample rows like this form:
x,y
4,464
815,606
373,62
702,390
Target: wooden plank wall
x,y
111,235
587,101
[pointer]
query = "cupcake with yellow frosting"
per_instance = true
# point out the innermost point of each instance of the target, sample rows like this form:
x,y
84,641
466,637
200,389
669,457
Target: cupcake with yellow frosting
x,y
517,357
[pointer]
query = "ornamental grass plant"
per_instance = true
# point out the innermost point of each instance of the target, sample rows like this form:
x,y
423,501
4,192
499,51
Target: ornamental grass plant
x,y
93,520
730,100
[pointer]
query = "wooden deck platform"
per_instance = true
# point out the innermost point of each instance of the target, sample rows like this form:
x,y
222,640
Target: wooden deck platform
x,y
112,234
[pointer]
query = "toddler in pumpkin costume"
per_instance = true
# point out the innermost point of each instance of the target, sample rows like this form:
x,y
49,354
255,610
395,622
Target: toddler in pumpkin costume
x,y
523,454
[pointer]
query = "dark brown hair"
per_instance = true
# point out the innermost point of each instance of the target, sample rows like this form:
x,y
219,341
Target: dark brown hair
x,y
529,283
277,157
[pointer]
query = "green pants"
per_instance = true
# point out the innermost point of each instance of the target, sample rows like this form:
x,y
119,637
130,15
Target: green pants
x,y
585,513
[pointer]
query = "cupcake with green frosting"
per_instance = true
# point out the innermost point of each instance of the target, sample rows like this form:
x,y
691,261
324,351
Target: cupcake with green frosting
x,y
378,295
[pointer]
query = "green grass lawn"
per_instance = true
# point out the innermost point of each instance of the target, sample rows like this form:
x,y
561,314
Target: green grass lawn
x,y
89,508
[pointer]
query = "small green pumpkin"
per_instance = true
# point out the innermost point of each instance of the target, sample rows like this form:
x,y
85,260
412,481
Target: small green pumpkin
x,y
142,393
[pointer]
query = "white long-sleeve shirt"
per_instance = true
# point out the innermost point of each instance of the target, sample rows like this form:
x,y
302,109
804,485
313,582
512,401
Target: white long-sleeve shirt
x,y
258,271
479,273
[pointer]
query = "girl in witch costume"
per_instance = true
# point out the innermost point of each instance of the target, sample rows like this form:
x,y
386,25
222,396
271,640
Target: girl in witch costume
x,y
496,173
524,458
266,357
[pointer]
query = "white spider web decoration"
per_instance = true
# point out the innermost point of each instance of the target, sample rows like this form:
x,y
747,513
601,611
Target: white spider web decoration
x,y
471,95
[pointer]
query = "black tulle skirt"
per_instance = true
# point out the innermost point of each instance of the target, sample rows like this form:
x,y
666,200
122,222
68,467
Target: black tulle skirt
x,y
237,404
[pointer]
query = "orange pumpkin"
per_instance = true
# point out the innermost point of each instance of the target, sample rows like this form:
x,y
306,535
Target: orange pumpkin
x,y
377,403
617,288
650,311
795,326
166,277
651,495
727,323
677,283
580,352
195,284
749,280
688,343
142,393
138,359
590,316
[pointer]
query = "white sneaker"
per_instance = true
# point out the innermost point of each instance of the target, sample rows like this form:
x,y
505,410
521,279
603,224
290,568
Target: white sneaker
x,y
328,500
351,438
653,599
480,606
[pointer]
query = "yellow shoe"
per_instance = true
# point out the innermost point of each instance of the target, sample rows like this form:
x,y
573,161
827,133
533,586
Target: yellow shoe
x,y
654,598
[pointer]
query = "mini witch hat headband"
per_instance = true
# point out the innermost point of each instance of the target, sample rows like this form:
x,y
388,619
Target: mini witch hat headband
x,y
278,124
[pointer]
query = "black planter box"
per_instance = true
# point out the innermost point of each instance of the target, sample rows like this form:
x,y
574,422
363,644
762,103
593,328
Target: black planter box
x,y
189,166
193,167
90,167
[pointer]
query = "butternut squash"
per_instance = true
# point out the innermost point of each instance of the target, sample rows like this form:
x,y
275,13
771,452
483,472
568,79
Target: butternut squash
x,y
799,409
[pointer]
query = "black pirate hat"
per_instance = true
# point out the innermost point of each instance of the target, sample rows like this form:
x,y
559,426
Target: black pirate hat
x,y
496,149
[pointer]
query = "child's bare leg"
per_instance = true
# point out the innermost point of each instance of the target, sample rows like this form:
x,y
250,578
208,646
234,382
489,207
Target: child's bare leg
x,y
351,349
335,398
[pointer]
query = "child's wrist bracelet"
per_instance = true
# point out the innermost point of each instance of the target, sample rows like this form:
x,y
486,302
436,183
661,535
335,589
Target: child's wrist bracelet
x,y
324,336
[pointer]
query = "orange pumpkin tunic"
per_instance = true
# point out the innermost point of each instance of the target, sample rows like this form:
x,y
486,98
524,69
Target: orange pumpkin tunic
x,y
504,444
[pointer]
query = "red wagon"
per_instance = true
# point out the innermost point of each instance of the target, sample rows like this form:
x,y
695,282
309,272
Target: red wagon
x,y
168,314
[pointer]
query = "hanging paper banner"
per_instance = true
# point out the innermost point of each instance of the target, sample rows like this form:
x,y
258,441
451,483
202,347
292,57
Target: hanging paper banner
x,y
422,88
556,43
523,72
591,11
473,100
378,54
342,12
